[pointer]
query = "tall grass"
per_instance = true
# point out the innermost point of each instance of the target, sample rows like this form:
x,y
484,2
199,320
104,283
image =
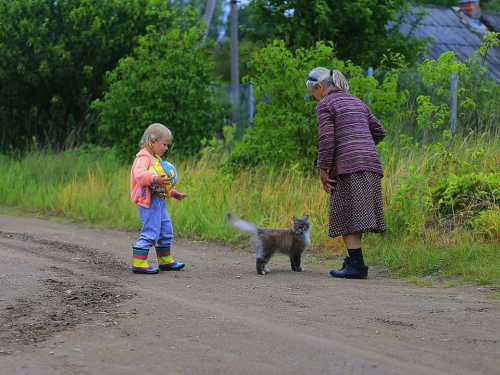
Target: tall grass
x,y
91,186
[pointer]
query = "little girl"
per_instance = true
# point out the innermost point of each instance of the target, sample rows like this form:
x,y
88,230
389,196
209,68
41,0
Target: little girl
x,y
156,224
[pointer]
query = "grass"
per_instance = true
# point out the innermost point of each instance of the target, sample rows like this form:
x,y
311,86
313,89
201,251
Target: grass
x,y
467,261
91,186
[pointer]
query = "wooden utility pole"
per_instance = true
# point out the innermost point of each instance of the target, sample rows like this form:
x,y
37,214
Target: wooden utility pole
x,y
209,13
453,105
235,69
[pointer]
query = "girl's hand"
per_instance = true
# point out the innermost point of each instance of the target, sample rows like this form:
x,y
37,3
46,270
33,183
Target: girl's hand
x,y
177,195
160,180
327,182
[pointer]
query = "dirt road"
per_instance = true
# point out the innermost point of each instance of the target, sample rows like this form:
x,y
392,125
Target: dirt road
x,y
68,305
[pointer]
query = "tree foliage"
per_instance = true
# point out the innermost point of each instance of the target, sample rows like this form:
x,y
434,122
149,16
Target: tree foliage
x,y
166,79
361,30
53,55
217,24
412,103
284,131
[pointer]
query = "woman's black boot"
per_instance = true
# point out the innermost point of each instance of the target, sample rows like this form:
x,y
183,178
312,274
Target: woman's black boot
x,y
353,267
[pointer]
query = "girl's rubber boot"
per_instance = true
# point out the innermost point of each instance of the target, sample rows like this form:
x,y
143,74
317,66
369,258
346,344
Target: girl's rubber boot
x,y
166,261
140,262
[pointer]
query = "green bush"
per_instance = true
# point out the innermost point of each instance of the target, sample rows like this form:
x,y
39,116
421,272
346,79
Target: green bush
x,y
166,79
284,124
409,102
466,196
430,95
285,131
487,224
409,206
359,28
53,57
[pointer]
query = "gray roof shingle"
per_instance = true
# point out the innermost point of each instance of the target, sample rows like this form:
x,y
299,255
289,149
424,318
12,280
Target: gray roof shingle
x,y
448,33
492,20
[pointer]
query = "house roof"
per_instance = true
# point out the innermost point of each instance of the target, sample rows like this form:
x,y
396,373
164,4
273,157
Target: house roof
x,y
447,32
492,20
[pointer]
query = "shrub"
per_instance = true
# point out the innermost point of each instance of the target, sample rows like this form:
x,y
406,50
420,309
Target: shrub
x,y
284,131
53,56
465,196
487,224
409,206
165,80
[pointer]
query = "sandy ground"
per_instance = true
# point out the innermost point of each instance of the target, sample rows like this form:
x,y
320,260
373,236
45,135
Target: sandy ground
x,y
68,305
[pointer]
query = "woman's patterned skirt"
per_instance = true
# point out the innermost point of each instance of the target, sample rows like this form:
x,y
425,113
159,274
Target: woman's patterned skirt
x,y
356,204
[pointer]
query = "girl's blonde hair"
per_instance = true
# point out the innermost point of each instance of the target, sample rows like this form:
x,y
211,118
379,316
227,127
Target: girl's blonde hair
x,y
154,133
328,78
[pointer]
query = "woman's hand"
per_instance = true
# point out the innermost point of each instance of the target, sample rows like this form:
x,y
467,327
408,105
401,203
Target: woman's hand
x,y
327,182
177,195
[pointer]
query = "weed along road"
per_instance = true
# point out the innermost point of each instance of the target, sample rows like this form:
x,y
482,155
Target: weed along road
x,y
68,305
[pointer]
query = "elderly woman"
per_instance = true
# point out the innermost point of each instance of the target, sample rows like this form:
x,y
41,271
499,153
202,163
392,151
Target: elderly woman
x,y
349,165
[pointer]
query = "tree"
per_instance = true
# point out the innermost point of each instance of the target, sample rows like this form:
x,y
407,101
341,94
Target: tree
x,y
216,7
166,79
53,55
284,131
361,30
209,13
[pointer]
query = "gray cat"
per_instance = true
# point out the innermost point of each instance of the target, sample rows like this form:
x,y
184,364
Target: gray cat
x,y
267,241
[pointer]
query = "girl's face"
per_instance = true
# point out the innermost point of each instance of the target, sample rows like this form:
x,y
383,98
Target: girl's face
x,y
160,146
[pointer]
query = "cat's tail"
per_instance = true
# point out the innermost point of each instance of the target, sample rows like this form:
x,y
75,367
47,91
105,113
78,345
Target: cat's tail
x,y
242,225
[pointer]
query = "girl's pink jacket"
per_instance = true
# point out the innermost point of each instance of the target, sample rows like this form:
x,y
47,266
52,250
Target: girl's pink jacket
x,y
141,179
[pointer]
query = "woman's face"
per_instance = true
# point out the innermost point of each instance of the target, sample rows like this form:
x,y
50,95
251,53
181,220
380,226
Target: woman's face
x,y
318,92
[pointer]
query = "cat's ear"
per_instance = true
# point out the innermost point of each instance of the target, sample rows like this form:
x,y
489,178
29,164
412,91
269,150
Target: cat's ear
x,y
306,217
294,219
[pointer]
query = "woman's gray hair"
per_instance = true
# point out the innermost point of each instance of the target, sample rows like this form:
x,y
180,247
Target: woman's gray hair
x,y
154,133
328,78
